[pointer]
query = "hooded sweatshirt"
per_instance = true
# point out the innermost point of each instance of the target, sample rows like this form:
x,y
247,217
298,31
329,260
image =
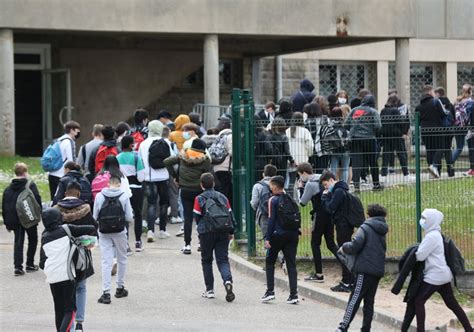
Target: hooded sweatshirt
x,y
108,143
177,135
303,96
86,191
431,249
155,129
369,247
364,121
113,192
75,211
55,245
335,203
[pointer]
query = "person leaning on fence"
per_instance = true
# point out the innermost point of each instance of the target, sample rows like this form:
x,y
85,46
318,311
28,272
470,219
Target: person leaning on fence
x,y
278,238
368,250
13,223
55,246
260,195
86,150
310,191
334,201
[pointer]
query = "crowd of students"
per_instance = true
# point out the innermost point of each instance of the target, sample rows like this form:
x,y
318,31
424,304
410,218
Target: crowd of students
x,y
177,172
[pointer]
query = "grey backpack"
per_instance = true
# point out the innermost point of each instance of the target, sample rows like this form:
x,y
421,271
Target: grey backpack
x,y
27,208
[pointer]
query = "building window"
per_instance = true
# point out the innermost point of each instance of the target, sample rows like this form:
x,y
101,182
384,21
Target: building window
x,y
346,76
230,75
465,75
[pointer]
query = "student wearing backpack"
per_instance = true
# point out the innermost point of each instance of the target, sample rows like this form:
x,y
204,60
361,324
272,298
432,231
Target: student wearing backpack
x,y
55,247
153,151
112,210
176,208
261,193
191,164
368,249
73,173
335,200
77,212
13,223
86,150
284,222
106,148
139,131
215,226
310,191
65,149
111,168
132,168
437,274
223,164
340,158
464,107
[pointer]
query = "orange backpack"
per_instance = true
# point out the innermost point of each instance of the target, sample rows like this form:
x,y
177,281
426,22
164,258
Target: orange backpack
x,y
102,153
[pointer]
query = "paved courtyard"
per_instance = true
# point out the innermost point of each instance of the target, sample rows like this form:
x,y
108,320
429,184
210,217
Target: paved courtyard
x,y
165,295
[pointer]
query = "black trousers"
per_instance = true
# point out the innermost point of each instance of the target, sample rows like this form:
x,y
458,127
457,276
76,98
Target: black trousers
x,y
64,296
446,152
53,185
365,288
434,144
187,199
137,203
32,233
344,233
224,184
320,163
388,158
470,145
322,227
364,153
287,243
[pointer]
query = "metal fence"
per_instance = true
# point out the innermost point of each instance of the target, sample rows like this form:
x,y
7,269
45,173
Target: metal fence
x,y
407,185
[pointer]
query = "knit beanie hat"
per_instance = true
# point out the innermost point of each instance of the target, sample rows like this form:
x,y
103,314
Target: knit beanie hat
x,y
155,128
198,145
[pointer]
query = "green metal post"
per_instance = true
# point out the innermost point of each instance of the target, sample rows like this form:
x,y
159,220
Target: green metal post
x,y
249,170
236,161
418,176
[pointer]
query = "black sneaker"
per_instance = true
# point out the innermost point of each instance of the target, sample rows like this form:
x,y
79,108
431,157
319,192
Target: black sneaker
x,y
230,296
105,298
342,287
121,292
377,187
31,268
78,327
19,272
269,295
314,277
293,299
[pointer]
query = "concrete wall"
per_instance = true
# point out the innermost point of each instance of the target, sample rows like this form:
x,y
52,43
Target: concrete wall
x,y
108,85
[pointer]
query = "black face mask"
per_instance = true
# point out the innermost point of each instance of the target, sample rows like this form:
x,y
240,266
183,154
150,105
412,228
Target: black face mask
x,y
77,135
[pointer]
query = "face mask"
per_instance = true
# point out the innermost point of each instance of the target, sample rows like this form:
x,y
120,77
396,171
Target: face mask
x,y
304,178
342,101
422,222
331,187
186,135
78,135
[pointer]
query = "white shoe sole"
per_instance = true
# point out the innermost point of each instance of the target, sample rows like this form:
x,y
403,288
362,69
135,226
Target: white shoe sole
x,y
296,301
268,298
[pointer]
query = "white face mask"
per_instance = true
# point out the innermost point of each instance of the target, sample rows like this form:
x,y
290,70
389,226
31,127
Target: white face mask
x,y
342,101
304,178
422,222
186,135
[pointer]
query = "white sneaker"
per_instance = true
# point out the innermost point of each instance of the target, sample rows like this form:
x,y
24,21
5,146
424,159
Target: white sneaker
x,y
208,294
186,250
163,235
180,232
383,179
157,221
434,171
150,237
409,178
176,220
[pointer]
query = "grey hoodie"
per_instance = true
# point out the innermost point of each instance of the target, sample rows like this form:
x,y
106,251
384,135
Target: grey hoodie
x,y
364,120
113,192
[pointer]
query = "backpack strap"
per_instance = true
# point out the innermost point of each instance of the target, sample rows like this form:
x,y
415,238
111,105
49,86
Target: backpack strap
x,y
84,153
67,230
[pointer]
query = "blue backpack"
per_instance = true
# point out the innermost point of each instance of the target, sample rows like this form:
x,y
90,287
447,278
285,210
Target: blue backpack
x,y
52,159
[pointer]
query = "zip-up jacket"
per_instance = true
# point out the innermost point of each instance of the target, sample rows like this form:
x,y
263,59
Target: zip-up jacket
x,y
335,203
131,166
408,264
364,121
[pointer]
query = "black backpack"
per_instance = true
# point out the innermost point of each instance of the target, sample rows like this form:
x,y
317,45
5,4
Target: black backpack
x,y
355,214
111,215
217,215
288,213
454,258
159,150
263,199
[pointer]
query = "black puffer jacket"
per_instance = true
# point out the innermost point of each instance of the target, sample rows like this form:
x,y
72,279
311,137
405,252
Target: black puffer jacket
x,y
394,125
10,196
86,191
369,247
408,264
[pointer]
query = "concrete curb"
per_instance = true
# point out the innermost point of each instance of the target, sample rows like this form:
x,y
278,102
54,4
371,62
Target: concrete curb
x,y
381,316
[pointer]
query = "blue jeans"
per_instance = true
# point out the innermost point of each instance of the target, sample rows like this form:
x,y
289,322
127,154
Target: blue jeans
x,y
343,160
81,294
460,140
153,191
217,243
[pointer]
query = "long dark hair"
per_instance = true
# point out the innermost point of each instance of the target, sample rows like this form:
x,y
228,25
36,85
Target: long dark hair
x,y
111,165
297,121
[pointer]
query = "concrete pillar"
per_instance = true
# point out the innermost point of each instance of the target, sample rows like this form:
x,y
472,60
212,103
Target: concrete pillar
x,y
256,81
452,80
211,78
7,94
278,77
402,69
382,84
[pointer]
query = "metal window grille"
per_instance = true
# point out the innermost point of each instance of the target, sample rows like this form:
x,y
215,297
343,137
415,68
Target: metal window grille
x,y
465,74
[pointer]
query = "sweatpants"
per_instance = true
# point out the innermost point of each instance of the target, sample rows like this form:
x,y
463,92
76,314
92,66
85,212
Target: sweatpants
x,y
288,243
322,227
218,244
187,198
110,244
365,289
32,233
136,201
53,185
64,296
344,233
424,293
